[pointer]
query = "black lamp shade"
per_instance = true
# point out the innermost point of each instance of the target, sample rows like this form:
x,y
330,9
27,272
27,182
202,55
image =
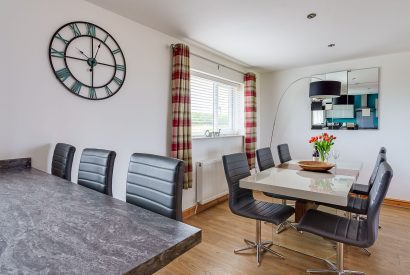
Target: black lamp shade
x,y
325,89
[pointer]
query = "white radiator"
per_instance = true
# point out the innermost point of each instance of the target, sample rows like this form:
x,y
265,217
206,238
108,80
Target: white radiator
x,y
210,180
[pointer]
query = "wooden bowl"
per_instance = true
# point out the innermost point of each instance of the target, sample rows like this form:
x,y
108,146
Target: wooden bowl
x,y
318,166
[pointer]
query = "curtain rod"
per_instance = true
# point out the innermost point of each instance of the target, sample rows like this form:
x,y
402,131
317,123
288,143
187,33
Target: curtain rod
x,y
216,63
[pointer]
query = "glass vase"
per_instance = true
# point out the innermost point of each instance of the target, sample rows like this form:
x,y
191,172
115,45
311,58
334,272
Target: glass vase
x,y
324,156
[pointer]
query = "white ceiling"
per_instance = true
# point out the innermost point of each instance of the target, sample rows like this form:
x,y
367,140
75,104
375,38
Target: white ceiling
x,y
275,34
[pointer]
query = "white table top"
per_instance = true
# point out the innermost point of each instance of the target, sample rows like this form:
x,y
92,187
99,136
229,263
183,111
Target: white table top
x,y
312,186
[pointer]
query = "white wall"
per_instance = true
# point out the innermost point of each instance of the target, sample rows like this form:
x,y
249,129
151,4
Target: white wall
x,y
293,124
37,111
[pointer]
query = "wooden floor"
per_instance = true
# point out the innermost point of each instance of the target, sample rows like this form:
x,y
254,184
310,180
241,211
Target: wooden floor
x,y
222,232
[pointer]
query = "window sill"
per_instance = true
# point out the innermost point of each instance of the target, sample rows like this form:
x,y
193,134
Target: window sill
x,y
224,136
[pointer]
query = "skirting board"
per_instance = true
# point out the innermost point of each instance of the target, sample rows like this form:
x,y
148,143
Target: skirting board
x,y
396,202
189,212
202,207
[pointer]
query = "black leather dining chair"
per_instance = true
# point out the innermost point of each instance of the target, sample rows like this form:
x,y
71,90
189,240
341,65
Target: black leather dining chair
x,y
264,158
155,183
62,160
364,189
356,204
360,233
242,203
283,152
96,168
265,161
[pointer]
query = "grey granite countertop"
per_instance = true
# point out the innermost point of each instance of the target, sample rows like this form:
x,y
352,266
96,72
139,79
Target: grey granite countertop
x,y
51,226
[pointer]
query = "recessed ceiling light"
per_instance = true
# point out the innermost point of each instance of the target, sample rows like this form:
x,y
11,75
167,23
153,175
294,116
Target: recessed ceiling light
x,y
331,45
311,15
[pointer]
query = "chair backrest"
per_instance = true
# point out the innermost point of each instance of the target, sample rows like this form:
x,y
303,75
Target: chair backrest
x,y
95,171
236,167
283,152
155,183
381,157
62,160
375,200
264,158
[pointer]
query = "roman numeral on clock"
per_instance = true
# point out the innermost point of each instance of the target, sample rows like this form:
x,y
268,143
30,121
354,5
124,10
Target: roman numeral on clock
x,y
56,53
108,91
91,30
115,51
117,80
120,67
92,94
63,74
76,88
75,29
58,36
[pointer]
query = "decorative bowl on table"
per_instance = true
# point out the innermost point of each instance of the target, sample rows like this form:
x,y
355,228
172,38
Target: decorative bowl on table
x,y
319,166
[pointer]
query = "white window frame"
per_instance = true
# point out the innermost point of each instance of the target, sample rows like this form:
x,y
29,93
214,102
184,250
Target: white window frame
x,y
237,105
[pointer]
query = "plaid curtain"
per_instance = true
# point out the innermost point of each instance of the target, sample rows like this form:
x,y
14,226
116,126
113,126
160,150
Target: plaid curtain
x,y
181,110
250,118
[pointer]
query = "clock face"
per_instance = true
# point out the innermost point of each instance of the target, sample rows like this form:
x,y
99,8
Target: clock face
x,y
87,60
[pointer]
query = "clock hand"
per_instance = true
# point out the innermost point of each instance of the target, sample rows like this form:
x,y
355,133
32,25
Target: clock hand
x,y
92,76
98,48
81,52
91,67
86,60
105,64
72,57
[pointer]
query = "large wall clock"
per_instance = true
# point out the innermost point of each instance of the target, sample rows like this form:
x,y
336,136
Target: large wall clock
x,y
87,60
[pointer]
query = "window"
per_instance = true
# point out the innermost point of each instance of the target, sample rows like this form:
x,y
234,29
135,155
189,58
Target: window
x,y
318,117
216,106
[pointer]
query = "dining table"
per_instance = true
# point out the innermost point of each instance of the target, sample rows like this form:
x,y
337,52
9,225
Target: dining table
x,y
49,225
310,189
289,179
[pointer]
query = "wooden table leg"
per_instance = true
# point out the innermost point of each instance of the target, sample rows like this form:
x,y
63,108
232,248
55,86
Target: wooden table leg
x,y
301,207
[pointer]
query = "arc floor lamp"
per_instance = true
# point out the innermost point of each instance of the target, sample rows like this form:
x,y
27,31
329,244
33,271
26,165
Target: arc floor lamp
x,y
321,89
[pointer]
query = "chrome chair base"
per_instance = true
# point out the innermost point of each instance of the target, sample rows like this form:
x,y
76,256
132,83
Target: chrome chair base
x,y
366,251
285,225
261,247
335,268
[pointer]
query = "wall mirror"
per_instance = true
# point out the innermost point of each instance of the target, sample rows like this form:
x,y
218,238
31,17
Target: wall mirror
x,y
358,106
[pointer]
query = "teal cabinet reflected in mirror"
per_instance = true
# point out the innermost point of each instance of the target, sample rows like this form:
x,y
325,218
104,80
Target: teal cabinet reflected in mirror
x,y
358,106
